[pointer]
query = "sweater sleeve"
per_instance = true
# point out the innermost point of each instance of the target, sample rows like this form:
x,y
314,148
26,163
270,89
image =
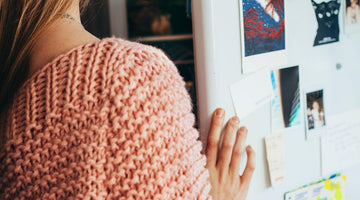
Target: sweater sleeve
x,y
108,120
152,150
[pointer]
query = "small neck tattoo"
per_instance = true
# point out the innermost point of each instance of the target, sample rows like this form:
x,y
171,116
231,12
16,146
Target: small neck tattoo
x,y
68,16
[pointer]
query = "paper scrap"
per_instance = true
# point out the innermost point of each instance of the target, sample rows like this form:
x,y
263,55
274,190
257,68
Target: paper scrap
x,y
340,146
275,152
331,188
251,92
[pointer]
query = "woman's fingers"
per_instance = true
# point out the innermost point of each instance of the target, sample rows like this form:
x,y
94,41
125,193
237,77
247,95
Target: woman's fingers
x,y
250,167
238,150
214,136
224,170
228,143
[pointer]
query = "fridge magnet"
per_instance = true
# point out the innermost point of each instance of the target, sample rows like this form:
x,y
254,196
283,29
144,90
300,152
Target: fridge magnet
x,y
327,16
285,106
315,113
262,34
352,16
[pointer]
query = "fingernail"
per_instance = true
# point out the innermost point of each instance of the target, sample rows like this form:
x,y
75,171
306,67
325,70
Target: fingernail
x,y
244,129
219,112
236,120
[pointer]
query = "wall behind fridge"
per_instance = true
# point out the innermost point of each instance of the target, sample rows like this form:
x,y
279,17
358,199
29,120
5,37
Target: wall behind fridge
x,y
216,25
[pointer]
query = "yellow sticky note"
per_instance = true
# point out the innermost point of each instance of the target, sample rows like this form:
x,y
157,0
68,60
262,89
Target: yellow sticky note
x,y
327,185
344,177
338,186
338,194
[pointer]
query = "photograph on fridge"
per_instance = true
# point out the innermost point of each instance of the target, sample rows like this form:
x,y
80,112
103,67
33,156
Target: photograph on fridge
x,y
262,33
285,106
315,113
327,16
352,16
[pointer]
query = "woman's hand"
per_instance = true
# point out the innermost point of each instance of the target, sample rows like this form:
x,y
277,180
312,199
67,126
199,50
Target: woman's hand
x,y
226,183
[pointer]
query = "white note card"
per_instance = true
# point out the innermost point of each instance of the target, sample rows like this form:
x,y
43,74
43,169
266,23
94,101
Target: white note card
x,y
275,153
251,92
340,146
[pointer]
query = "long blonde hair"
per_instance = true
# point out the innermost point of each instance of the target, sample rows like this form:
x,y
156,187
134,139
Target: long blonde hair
x,y
21,22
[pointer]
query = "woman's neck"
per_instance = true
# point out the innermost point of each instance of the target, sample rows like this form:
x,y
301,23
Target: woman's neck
x,y
62,36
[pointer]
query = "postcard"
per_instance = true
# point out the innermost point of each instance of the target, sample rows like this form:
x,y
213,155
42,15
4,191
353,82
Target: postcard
x,y
327,16
326,189
262,34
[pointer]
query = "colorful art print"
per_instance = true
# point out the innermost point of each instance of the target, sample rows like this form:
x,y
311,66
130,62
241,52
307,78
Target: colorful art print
x,y
285,107
327,16
325,189
263,25
315,112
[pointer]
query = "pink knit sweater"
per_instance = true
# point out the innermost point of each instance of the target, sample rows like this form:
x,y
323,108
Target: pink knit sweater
x,y
107,120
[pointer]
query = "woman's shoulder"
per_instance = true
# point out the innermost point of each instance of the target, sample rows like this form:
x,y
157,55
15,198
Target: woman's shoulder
x,y
127,47
113,62
119,53
103,52
96,70
129,59
108,55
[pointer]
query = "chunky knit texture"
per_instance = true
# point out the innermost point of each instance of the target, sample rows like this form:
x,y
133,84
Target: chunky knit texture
x,y
107,120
